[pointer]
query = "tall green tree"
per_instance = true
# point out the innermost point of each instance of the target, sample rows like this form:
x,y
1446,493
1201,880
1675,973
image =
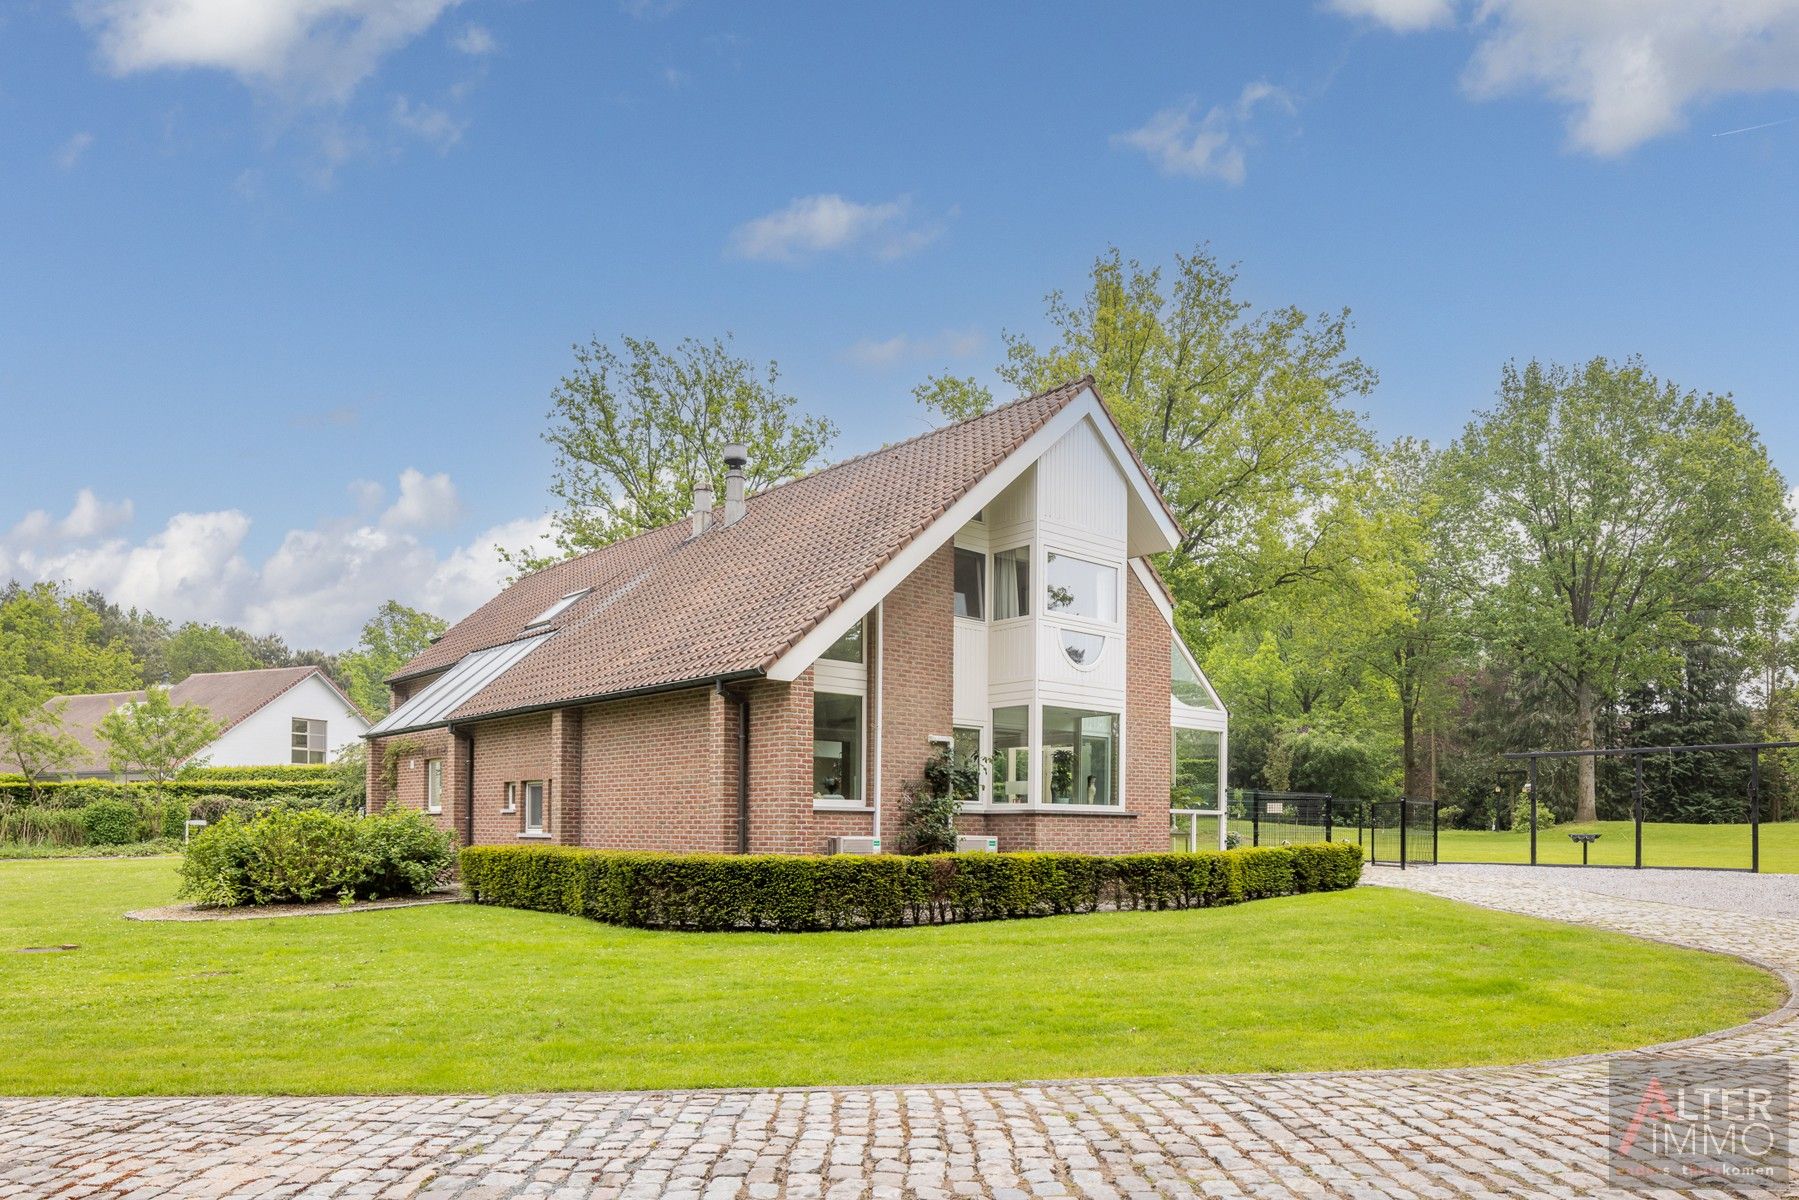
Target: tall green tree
x,y
1422,639
155,737
392,637
199,649
57,640
1613,515
1243,418
633,431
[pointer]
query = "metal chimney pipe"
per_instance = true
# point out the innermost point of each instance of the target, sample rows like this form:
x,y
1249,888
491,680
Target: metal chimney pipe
x,y
702,507
737,456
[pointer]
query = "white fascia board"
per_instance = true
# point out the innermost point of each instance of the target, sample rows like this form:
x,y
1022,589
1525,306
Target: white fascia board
x,y
793,664
1160,600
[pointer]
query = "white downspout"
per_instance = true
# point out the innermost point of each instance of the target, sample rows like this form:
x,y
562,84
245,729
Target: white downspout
x,y
880,690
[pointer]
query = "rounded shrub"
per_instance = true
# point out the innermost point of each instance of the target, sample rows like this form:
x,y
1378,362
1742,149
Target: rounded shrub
x,y
301,854
111,823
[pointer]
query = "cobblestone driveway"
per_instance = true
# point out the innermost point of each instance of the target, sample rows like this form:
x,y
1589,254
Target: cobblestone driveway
x,y
1528,1131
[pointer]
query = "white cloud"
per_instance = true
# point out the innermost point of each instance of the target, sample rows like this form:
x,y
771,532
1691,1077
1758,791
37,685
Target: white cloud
x,y
1402,15
1213,145
1628,70
889,352
812,225
316,50
316,588
425,502
477,41
70,152
428,124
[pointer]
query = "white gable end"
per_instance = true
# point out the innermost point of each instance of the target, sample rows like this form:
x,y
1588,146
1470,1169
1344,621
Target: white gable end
x,y
265,737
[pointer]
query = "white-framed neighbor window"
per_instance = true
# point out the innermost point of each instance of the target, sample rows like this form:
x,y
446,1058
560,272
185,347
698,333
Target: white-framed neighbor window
x,y
434,785
837,734
534,805
308,740
511,798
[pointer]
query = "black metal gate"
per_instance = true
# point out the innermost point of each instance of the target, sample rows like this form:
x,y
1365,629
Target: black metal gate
x,y
1402,833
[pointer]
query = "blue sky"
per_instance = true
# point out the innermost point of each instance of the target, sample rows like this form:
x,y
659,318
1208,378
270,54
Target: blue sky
x,y
286,286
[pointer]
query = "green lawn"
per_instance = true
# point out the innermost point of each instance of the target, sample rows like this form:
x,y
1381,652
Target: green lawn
x,y
460,997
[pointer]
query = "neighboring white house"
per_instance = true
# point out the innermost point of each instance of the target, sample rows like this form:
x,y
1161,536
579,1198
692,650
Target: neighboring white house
x,y
271,717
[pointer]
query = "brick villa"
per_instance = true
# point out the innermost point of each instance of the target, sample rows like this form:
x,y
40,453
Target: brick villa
x,y
770,674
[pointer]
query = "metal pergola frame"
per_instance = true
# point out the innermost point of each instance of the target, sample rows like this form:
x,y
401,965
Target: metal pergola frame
x,y
1530,758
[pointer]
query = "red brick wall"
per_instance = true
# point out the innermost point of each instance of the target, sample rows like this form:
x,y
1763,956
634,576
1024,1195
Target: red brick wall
x,y
916,660
1147,737
410,774
653,774
781,816
510,750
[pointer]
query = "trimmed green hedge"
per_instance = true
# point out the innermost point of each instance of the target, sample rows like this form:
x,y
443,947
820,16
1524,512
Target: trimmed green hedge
x,y
803,892
70,793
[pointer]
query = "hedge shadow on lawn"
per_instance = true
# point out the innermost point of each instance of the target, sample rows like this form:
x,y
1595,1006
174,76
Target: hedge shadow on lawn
x,y
807,893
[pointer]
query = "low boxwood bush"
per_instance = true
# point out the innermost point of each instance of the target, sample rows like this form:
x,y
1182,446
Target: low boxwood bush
x,y
303,854
804,892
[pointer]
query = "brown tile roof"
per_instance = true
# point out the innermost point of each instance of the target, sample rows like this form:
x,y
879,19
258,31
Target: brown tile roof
x,y
230,695
667,608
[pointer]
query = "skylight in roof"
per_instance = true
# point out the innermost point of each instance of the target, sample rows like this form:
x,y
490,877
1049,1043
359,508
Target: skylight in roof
x,y
555,610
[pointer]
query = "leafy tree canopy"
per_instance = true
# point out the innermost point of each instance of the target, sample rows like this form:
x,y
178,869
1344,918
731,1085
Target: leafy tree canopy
x,y
395,635
155,737
634,430
198,649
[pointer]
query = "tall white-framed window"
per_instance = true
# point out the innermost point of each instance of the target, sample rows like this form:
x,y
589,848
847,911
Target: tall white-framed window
x,y
1080,756
1012,583
308,740
536,791
966,745
838,732
1011,764
971,584
434,785
511,799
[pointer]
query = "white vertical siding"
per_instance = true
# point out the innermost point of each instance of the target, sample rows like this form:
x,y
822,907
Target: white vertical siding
x,y
1080,491
970,702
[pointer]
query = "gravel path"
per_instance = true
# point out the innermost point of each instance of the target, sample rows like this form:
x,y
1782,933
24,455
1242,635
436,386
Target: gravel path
x,y
1719,891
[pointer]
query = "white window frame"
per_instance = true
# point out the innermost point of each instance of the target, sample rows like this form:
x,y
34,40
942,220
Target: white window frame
x,y
1031,555
860,802
510,802
434,785
1040,773
1075,620
542,828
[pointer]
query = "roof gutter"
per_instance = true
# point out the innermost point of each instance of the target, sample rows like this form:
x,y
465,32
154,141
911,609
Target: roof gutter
x,y
655,689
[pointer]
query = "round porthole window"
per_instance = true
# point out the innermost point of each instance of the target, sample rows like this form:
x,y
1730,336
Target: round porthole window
x,y
1082,649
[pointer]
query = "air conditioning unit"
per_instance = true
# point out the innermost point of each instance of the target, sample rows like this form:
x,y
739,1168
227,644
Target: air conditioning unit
x,y
854,845
968,844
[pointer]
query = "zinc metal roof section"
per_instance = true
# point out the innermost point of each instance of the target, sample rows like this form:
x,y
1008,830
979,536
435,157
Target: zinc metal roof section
x,y
445,695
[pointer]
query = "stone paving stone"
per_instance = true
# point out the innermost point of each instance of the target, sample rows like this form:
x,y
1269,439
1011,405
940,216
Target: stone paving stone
x,y
1532,1131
